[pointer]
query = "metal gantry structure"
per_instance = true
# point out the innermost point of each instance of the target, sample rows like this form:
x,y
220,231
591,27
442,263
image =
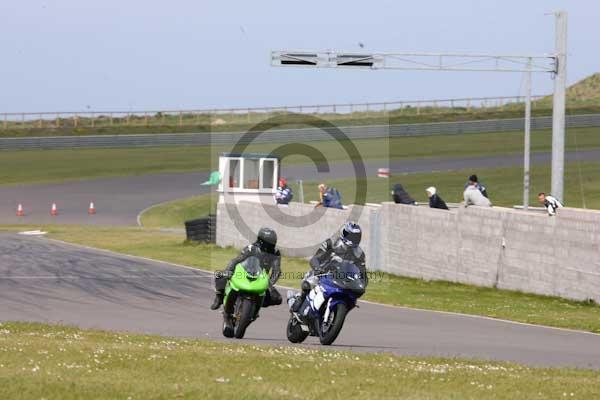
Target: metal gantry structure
x,y
553,64
412,61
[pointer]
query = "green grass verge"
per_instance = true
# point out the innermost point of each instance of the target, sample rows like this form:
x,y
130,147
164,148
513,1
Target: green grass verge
x,y
173,214
50,166
384,288
38,166
53,362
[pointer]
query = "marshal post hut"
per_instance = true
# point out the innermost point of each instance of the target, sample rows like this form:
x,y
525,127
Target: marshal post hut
x,y
248,177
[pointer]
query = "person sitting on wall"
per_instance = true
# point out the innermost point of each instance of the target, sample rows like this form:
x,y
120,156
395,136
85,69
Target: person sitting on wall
x,y
474,180
329,197
550,202
401,196
435,201
474,197
284,193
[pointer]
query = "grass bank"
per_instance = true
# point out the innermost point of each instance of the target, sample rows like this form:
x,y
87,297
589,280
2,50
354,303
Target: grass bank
x,y
151,123
383,288
53,362
42,166
173,214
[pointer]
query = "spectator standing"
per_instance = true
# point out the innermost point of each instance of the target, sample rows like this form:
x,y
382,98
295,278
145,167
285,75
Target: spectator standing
x,y
550,202
401,196
474,197
435,201
284,193
474,180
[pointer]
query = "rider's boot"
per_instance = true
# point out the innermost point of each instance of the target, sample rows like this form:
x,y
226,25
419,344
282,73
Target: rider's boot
x,y
298,302
217,301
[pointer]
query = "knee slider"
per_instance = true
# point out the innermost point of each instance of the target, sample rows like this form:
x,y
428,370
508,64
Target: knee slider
x,y
305,286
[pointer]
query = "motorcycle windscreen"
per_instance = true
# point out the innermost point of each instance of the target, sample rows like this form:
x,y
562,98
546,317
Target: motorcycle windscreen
x,y
249,277
252,267
346,275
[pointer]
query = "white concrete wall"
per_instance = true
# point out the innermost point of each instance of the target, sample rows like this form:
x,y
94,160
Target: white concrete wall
x,y
495,247
293,241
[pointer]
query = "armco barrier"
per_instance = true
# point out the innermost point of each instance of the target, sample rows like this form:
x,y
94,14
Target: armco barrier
x,y
291,135
494,247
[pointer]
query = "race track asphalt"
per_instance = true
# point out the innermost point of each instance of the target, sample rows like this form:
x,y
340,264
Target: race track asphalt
x,y
48,281
119,200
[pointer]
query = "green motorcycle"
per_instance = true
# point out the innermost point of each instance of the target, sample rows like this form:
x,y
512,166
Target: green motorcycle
x,y
244,296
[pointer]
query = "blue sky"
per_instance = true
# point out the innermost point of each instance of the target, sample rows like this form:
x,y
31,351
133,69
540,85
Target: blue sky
x,y
120,55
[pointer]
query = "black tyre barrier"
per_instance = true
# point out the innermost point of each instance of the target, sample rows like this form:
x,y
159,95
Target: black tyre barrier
x,y
202,229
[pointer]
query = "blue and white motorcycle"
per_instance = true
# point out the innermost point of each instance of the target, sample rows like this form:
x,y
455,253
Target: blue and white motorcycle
x,y
324,310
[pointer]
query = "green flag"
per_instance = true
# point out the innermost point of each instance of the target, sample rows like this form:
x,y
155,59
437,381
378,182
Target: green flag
x,y
214,179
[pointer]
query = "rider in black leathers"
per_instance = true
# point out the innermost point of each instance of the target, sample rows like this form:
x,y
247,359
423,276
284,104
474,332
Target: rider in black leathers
x,y
270,258
345,247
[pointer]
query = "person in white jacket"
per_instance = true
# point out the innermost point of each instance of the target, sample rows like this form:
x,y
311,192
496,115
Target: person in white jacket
x,y
474,197
551,203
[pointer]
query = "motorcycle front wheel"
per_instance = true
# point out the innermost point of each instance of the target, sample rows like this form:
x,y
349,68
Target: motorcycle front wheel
x,y
244,310
295,334
331,328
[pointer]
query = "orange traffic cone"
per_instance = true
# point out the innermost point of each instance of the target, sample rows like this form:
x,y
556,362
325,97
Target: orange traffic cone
x,y
54,210
92,209
20,211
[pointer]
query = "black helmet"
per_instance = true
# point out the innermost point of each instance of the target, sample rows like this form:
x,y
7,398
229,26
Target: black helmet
x,y
267,239
351,234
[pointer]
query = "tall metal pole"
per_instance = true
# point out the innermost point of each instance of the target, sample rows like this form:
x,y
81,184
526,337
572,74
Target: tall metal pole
x,y
558,108
300,190
527,147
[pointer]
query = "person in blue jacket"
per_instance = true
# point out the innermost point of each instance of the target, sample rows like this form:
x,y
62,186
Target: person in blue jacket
x,y
329,197
284,193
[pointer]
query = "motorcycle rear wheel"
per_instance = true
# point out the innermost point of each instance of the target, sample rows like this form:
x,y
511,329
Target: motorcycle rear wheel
x,y
244,310
335,327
